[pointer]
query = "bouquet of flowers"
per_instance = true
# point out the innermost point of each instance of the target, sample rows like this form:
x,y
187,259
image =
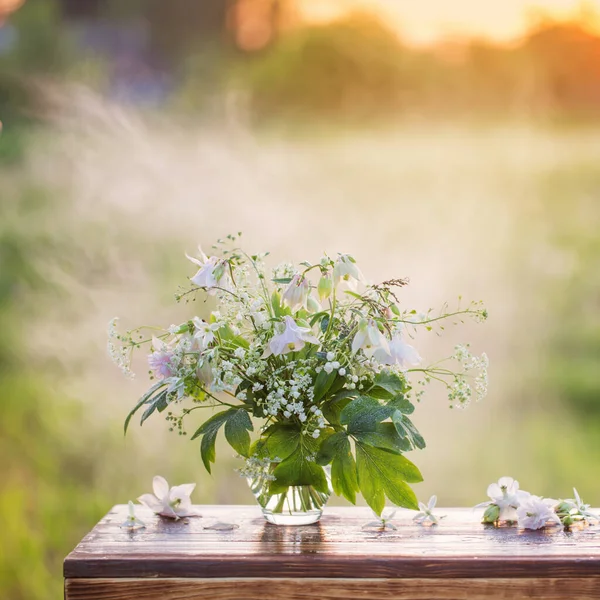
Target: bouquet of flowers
x,y
315,356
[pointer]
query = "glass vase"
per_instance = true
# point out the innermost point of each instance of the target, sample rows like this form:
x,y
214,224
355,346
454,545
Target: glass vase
x,y
297,505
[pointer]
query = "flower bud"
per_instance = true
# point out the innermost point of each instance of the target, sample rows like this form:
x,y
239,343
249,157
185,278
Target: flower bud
x,y
312,305
325,287
491,514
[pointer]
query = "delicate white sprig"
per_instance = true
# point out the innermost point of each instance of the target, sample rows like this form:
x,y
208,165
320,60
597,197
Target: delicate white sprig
x,y
426,513
383,522
575,511
132,522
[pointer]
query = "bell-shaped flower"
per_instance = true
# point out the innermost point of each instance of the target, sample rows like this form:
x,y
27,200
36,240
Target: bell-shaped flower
x,y
296,293
400,353
172,502
325,287
292,339
535,512
205,372
345,268
211,273
369,339
161,361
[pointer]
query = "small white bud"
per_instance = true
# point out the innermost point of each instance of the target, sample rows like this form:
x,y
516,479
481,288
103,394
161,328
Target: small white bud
x,y
330,356
342,372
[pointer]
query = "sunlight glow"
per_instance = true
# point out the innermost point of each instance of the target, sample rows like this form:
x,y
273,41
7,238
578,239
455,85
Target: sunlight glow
x,y
428,20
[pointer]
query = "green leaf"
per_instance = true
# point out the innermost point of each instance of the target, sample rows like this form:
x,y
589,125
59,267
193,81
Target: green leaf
x,y
407,430
280,440
343,472
402,404
159,402
282,280
363,414
209,430
332,408
331,446
147,397
385,437
318,316
276,304
387,386
382,473
323,382
297,470
237,427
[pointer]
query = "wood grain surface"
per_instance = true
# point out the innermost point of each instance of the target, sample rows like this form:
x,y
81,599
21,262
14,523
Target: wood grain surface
x,y
336,547
332,589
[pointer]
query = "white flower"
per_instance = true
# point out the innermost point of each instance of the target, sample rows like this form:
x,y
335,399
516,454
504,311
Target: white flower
x,y
172,502
369,339
400,353
210,273
426,512
204,334
383,522
575,510
132,522
205,372
330,356
535,512
296,293
345,268
507,496
292,339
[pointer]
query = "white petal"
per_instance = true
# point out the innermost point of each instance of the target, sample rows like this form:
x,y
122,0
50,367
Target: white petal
x,y
194,260
185,489
152,502
432,502
160,487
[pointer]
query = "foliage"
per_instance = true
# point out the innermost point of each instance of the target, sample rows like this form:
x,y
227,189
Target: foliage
x,y
330,382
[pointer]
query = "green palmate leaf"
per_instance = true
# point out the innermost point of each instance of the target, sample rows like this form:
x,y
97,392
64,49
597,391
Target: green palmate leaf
x,y
384,436
401,404
323,383
381,474
300,468
147,397
407,430
343,472
387,386
280,440
332,408
237,427
331,446
363,414
208,430
158,402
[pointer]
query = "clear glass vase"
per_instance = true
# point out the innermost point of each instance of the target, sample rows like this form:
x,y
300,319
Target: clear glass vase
x,y
297,505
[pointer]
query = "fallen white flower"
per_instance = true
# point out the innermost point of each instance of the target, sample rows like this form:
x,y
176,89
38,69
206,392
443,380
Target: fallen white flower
x,y
172,502
132,522
426,512
535,512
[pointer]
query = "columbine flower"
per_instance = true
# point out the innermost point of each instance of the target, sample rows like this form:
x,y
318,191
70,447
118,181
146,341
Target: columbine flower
x,y
161,360
132,522
210,273
426,513
400,353
172,502
345,268
325,287
293,338
535,512
369,339
296,293
505,498
383,521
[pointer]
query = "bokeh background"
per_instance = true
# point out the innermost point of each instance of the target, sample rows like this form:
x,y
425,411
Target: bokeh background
x,y
456,143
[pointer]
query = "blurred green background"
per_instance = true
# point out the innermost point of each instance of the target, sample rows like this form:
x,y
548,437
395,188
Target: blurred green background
x,y
132,131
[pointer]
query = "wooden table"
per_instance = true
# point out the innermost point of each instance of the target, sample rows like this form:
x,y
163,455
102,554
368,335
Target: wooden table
x,y
333,559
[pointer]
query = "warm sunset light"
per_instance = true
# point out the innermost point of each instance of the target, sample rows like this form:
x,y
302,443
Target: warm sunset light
x,y
428,20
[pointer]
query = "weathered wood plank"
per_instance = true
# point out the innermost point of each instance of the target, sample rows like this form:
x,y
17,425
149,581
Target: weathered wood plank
x,y
337,547
332,589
